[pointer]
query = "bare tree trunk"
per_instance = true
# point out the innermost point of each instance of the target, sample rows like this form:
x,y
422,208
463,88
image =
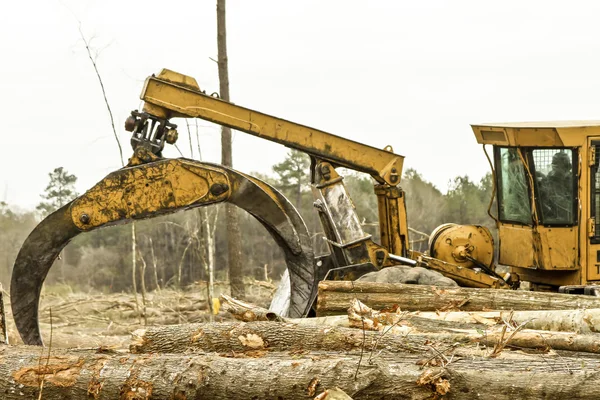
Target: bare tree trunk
x,y
3,330
133,268
335,298
154,264
143,287
234,241
180,266
210,250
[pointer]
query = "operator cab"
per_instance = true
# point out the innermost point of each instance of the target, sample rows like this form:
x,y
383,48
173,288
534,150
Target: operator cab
x,y
548,200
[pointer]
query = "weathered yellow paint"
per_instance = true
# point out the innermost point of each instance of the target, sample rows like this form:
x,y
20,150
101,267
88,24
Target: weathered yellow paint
x,y
147,190
458,244
543,254
558,247
589,253
164,98
462,275
393,224
171,95
516,246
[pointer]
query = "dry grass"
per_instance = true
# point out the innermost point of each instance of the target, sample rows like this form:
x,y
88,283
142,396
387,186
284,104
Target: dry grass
x,y
97,319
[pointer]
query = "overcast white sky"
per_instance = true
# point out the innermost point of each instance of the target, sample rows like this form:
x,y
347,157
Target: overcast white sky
x,y
411,74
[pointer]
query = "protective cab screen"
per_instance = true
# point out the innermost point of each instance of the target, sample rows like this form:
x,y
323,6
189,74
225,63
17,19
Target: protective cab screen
x,y
545,175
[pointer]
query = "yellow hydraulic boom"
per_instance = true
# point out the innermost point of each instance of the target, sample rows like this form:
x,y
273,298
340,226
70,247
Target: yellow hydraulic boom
x,y
171,94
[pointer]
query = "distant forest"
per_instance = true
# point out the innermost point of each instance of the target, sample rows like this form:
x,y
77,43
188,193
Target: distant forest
x,y
172,249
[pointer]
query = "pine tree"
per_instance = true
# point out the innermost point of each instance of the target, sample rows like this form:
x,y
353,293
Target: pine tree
x,y
293,175
60,190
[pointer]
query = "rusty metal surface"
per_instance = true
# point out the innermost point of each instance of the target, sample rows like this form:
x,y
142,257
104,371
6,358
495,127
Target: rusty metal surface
x,y
190,184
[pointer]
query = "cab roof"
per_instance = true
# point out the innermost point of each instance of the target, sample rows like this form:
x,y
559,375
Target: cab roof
x,y
541,124
537,134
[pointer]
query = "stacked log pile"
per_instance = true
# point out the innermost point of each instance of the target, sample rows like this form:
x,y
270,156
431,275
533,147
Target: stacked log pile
x,y
462,345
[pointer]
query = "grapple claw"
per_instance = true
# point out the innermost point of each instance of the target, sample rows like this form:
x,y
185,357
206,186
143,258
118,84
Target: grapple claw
x,y
148,190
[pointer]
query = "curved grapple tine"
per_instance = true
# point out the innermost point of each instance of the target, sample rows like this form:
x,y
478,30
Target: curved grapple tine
x,y
286,226
110,202
35,258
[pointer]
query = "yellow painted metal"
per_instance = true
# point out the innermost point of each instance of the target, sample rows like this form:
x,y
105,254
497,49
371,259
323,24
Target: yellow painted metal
x,y
537,134
516,246
547,255
462,275
590,257
558,247
393,224
148,190
458,244
164,96
171,94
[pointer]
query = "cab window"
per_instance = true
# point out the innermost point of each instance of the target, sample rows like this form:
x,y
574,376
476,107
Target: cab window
x,y
514,204
555,185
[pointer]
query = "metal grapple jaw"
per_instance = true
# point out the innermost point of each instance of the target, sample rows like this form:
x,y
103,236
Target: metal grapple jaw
x,y
151,189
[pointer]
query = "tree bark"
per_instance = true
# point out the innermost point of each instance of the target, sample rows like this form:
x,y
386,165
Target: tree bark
x,y
263,336
260,337
133,267
234,241
580,321
335,298
85,374
247,312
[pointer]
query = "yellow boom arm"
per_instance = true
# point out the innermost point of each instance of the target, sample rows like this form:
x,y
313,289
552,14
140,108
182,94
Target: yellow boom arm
x,y
171,94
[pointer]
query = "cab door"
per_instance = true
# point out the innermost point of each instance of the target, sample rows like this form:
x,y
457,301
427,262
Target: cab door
x,y
592,208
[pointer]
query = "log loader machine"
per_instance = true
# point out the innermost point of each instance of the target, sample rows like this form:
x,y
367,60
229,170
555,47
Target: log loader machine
x,y
151,185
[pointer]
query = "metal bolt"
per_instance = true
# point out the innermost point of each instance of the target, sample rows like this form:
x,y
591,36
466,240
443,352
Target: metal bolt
x,y
85,219
130,123
380,256
171,136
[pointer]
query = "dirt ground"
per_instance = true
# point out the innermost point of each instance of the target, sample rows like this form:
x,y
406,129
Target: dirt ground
x,y
75,319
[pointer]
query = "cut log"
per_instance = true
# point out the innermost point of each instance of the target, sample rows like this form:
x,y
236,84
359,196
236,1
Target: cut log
x,y
335,297
496,336
81,374
247,312
262,336
580,321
